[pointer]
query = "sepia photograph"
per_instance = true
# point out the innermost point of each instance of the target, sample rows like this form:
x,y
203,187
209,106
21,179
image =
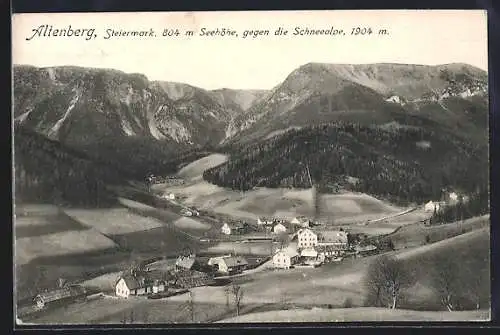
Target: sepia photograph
x,y
250,167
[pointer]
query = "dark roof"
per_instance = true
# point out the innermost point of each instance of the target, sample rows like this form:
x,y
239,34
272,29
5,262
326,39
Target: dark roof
x,y
67,292
235,261
185,262
132,282
333,236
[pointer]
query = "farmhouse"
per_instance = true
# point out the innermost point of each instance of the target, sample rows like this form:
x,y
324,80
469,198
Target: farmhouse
x,y
339,238
129,285
228,264
59,295
262,221
185,262
311,256
306,238
226,230
301,221
279,228
285,258
169,196
432,206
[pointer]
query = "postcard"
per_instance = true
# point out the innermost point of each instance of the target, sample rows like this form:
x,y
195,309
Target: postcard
x,y
250,167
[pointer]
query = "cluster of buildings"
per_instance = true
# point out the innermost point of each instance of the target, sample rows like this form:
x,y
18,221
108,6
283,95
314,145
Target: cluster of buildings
x,y
312,248
274,225
451,199
187,272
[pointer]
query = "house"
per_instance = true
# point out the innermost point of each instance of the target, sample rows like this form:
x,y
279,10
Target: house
x,y
228,264
311,256
306,238
339,238
185,262
185,212
279,228
301,221
432,206
262,221
226,229
285,258
453,197
59,295
169,196
128,285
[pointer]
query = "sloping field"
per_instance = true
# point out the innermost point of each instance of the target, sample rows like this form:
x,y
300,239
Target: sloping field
x,y
35,210
115,221
270,202
196,168
415,235
358,314
162,240
68,242
188,223
37,224
344,208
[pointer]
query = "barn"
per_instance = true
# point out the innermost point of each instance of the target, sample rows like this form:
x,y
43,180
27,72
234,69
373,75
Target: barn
x,y
64,294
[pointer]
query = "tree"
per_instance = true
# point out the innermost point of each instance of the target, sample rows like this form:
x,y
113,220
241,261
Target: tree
x,y
191,305
385,280
283,239
446,282
237,292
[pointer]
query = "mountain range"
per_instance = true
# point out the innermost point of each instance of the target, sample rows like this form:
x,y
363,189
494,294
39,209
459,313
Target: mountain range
x,y
128,121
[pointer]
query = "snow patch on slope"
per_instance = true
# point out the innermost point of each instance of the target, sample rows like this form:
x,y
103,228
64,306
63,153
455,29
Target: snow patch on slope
x,y
55,129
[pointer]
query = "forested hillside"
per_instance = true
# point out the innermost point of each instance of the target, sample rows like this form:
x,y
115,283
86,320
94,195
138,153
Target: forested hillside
x,y
48,172
401,163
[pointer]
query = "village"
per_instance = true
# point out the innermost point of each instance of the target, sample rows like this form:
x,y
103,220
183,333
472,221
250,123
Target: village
x,y
294,243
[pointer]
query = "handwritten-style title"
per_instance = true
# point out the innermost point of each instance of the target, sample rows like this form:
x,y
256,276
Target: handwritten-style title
x,y
49,31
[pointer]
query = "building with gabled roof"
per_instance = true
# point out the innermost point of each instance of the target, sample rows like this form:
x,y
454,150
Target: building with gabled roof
x,y
59,295
285,258
228,264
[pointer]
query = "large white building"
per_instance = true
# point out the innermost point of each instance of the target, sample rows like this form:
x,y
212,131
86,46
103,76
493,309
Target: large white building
x,y
279,228
285,258
226,229
306,238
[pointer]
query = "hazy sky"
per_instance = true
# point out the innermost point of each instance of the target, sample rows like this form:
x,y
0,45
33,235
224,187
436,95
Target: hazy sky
x,y
418,37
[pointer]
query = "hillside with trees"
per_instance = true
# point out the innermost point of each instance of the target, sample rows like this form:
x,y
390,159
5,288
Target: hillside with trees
x,y
401,163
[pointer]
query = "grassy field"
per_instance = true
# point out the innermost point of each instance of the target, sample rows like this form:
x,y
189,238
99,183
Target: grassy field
x,y
357,314
266,202
37,224
113,221
330,285
63,243
414,235
196,168
140,310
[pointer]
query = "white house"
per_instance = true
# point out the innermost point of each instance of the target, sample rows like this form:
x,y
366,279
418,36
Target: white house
x,y
300,221
229,264
129,285
264,221
279,228
306,238
169,196
226,229
431,206
285,258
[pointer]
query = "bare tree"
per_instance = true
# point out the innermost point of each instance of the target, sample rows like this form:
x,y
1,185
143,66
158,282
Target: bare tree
x,y
446,282
385,280
237,293
191,305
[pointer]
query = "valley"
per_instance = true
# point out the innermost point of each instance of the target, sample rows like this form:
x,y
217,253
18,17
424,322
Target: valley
x,y
117,175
